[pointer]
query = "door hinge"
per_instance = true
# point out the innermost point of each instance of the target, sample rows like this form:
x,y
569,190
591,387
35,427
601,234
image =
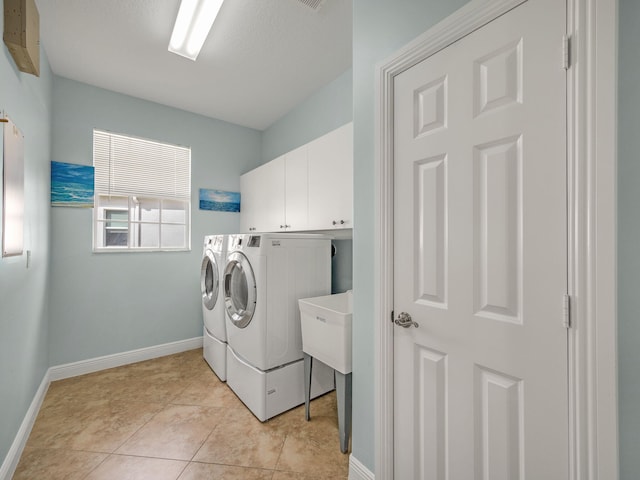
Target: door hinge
x,y
566,311
391,316
566,52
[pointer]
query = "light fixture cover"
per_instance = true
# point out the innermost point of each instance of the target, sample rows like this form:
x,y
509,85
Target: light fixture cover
x,y
194,20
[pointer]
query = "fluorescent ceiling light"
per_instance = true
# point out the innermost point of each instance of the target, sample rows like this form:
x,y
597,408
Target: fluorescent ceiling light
x,y
195,18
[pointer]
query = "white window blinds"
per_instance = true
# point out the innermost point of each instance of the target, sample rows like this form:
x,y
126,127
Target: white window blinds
x,y
134,166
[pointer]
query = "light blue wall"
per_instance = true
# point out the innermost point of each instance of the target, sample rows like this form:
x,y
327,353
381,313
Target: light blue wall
x,y
114,302
629,238
380,27
23,295
325,110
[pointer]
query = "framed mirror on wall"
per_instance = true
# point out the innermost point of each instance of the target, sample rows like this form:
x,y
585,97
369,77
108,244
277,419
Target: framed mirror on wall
x,y
12,188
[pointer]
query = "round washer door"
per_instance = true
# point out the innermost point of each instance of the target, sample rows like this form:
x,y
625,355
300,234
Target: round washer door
x,y
209,280
239,290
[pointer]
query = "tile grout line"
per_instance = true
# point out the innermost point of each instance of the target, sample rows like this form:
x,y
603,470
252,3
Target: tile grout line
x,y
243,467
273,470
203,442
97,466
139,428
275,467
183,469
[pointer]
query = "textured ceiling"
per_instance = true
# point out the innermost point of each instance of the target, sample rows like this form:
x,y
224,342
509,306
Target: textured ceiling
x,y
261,59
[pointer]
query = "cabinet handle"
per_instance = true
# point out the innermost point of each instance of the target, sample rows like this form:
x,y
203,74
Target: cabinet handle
x,y
341,222
282,226
334,222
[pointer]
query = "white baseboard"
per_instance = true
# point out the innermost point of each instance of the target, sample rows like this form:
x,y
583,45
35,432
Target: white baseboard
x,y
10,463
83,367
357,471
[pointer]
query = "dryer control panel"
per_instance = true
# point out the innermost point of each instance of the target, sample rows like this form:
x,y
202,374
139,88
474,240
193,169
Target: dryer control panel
x,y
254,241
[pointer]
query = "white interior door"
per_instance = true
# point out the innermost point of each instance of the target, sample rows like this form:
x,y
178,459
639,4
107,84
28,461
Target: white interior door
x,y
480,263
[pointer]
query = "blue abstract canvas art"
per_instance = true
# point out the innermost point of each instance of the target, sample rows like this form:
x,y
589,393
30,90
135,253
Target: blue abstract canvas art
x,y
219,200
71,185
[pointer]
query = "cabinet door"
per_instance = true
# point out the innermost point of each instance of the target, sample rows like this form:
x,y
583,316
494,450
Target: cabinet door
x,y
262,191
248,202
331,180
296,191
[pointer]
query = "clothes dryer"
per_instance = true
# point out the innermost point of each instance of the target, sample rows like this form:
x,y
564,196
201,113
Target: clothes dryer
x,y
264,277
213,309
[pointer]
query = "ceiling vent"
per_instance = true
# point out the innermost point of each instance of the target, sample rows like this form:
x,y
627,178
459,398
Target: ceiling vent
x,y
313,4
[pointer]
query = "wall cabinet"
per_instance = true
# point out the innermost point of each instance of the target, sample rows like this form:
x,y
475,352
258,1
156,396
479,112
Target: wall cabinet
x,y
330,160
309,188
274,195
262,197
296,190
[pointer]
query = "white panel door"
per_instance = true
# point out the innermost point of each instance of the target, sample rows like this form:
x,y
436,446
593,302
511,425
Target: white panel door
x,y
480,255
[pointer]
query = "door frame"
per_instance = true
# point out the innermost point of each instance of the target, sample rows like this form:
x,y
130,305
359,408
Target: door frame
x,y
592,191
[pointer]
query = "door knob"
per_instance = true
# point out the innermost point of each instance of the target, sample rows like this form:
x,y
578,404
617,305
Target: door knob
x,y
405,320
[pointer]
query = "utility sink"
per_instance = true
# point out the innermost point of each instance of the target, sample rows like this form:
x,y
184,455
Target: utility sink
x,y
326,329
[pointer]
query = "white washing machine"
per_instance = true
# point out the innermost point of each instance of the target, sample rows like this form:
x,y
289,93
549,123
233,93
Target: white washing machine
x,y
264,277
214,336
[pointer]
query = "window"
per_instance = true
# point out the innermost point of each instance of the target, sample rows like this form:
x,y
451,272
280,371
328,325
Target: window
x,y
142,194
116,228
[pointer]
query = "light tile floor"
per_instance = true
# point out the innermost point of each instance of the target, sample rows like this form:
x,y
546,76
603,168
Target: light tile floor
x,y
171,418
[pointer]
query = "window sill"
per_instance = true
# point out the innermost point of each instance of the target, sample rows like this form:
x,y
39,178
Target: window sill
x,y
139,250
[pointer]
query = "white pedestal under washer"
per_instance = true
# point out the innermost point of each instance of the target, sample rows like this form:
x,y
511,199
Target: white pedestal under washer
x,y
213,308
264,277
